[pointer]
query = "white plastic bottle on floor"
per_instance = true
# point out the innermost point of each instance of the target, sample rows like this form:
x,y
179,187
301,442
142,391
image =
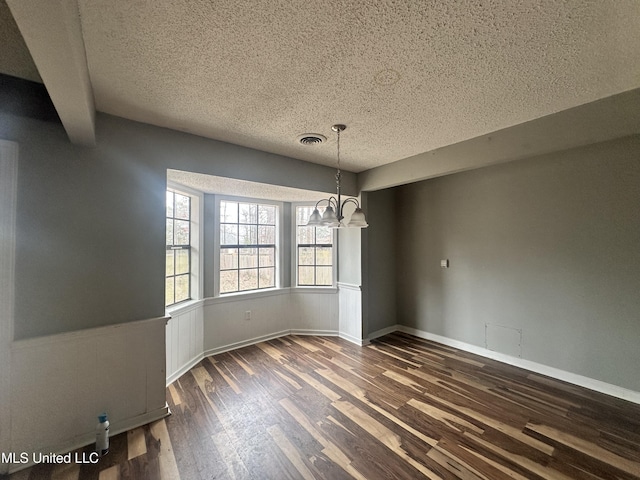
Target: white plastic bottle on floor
x,y
102,435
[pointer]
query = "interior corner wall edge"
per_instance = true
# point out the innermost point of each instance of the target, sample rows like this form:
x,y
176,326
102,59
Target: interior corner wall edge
x,y
547,247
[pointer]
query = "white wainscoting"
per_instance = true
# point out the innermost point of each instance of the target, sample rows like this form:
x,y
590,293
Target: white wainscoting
x,y
313,311
226,328
580,380
350,313
184,339
60,383
274,313
220,324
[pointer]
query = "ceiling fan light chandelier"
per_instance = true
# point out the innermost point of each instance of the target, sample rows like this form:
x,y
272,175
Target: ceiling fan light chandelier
x,y
333,213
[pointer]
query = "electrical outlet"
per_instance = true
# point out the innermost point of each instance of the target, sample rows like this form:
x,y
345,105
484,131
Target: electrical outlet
x,y
247,315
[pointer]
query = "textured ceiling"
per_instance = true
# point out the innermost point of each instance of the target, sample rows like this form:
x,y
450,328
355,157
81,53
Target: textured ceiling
x,y
406,77
15,59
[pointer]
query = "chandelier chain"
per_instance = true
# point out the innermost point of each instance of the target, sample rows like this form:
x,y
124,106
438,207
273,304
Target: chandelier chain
x,y
338,150
333,218
338,172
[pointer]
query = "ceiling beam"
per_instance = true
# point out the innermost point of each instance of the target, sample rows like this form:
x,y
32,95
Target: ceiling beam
x,y
612,117
53,34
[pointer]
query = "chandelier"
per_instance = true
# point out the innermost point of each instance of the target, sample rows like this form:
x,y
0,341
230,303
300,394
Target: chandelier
x,y
333,213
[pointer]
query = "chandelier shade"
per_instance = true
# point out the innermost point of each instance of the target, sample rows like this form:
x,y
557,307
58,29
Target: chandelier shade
x,y
334,211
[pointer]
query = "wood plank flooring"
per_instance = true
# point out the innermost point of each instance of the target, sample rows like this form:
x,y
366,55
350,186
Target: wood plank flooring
x,y
320,407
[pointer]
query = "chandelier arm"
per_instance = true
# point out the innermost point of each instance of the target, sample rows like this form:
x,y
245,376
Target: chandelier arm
x,y
331,202
320,201
351,200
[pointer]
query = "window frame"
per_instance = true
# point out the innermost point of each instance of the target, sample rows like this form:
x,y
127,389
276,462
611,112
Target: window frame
x,y
295,246
277,266
195,241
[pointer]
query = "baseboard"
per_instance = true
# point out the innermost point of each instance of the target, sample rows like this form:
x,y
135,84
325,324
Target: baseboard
x,y
558,374
89,438
135,422
283,333
245,343
383,331
184,369
322,333
358,341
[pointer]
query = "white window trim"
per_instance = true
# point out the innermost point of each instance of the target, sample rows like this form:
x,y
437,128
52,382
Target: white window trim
x,y
197,244
294,253
216,244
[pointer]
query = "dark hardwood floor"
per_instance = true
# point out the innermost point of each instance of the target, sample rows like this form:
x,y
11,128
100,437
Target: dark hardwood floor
x,y
402,407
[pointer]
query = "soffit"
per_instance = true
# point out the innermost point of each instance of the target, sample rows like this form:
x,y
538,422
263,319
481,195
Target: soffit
x,y
242,188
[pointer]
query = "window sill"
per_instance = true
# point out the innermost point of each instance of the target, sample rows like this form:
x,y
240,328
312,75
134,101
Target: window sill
x,y
183,307
310,289
250,295
271,292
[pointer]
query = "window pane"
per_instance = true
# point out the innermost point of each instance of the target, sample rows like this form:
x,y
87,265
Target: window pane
x,y
182,287
249,279
323,256
267,257
169,263
305,275
228,258
178,261
181,232
305,256
247,225
169,204
267,277
168,291
323,276
306,235
169,231
228,212
247,234
314,262
266,235
324,235
228,234
182,261
266,214
182,206
248,213
303,214
229,281
248,257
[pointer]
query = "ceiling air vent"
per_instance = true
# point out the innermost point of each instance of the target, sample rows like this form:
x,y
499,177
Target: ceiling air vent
x,y
311,139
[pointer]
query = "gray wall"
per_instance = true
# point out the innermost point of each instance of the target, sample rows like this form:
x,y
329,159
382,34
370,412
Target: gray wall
x,y
89,232
379,263
90,221
549,245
